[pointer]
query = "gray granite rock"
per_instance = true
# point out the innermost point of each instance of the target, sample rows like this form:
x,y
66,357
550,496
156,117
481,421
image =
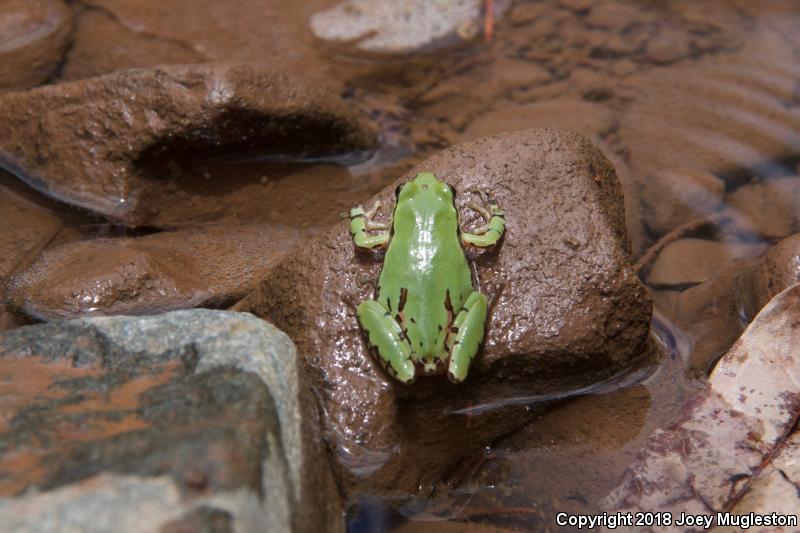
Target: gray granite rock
x,y
183,418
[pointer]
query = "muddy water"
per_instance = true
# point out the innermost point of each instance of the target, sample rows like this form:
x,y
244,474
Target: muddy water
x,y
656,85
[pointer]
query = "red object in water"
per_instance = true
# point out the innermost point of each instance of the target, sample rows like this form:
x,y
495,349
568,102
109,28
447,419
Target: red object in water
x,y
489,23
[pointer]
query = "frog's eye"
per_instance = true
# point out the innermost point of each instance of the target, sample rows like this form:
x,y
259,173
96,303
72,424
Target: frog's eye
x,y
398,189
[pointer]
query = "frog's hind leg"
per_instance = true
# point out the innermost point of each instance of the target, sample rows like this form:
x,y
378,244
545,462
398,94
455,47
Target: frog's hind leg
x,y
386,335
466,335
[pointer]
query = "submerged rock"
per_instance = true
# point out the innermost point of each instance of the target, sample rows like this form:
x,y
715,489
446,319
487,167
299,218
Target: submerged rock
x,y
94,143
131,424
674,197
715,312
693,261
385,26
211,267
722,448
34,35
568,311
770,209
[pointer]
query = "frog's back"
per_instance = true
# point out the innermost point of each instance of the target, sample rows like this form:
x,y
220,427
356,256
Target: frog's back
x,y
425,277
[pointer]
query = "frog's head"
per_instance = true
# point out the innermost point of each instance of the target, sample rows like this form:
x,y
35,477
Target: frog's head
x,y
426,185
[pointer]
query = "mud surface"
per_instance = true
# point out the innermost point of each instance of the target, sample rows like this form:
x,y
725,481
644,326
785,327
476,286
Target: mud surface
x,y
694,103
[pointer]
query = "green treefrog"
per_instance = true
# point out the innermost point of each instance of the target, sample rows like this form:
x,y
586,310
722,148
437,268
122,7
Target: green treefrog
x,y
427,315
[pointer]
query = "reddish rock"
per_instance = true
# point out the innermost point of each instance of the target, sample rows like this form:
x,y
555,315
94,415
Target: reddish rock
x,y
771,208
33,37
88,142
672,197
210,267
569,310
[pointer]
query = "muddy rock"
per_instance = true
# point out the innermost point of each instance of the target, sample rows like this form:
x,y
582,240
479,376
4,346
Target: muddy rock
x,y
692,261
676,196
103,44
770,209
33,37
761,280
568,311
90,142
729,432
714,114
149,33
188,417
714,313
210,267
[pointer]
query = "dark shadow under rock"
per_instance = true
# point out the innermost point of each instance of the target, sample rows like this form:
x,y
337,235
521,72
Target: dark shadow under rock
x,y
569,311
95,143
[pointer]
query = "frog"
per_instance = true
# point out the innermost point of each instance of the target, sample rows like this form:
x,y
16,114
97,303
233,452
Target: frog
x,y
427,317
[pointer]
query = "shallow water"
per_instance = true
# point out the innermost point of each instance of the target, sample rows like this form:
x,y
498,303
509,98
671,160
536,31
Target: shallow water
x,y
658,86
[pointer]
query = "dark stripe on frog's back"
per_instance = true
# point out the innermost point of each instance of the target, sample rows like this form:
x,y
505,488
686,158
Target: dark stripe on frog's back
x,y
409,270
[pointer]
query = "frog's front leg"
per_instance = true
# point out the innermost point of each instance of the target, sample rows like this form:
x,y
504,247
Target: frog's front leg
x,y
466,335
386,335
491,231
362,221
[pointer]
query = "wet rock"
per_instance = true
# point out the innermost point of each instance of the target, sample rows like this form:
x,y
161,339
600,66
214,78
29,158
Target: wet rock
x,y
674,197
668,46
770,209
581,117
692,261
384,26
729,433
569,311
33,37
761,280
90,142
103,44
715,312
578,6
715,114
210,267
149,33
614,16
139,423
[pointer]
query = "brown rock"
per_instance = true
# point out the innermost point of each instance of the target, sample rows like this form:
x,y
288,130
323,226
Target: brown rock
x,y
672,197
761,280
87,142
614,16
667,46
149,33
714,114
714,313
569,311
33,37
578,6
770,209
211,267
693,261
581,117
102,45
